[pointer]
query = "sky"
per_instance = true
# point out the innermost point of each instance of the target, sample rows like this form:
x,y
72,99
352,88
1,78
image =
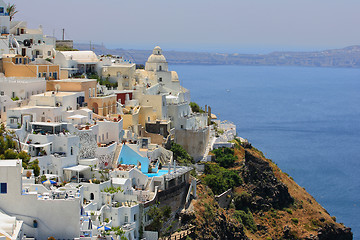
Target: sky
x,y
232,26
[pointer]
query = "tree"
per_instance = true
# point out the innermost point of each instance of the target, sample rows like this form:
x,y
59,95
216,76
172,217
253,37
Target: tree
x,y
35,166
10,154
180,154
195,107
11,10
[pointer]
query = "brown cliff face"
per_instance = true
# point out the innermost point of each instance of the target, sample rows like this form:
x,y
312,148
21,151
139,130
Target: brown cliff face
x,y
282,207
267,191
271,205
213,222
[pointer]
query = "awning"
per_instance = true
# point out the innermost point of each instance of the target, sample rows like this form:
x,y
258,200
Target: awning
x,y
40,145
77,116
78,168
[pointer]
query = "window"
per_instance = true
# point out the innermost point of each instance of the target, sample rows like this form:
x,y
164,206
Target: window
x,y
93,92
1,10
3,188
91,196
134,217
39,75
2,93
20,59
16,60
55,75
49,74
13,94
49,53
107,135
89,92
148,119
44,74
160,79
71,151
182,126
4,109
160,68
126,219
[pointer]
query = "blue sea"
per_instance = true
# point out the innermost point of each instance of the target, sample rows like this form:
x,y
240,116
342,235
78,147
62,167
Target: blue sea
x,y
307,120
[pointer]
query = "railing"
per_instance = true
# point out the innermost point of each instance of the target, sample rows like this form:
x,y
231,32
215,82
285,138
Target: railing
x,y
128,227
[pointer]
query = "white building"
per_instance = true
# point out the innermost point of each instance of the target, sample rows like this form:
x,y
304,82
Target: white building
x,y
22,88
42,216
31,42
16,116
65,100
4,29
5,103
77,62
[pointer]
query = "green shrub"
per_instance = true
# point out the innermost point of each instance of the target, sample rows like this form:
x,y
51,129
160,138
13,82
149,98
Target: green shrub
x,y
224,157
288,210
195,107
180,154
242,201
246,218
220,179
295,220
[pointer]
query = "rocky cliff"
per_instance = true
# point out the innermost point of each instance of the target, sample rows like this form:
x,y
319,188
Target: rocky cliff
x,y
267,204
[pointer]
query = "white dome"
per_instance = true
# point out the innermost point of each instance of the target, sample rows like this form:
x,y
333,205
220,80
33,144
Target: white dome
x,y
156,59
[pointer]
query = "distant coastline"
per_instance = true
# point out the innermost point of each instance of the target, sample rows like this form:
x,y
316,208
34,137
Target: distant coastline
x,y
348,57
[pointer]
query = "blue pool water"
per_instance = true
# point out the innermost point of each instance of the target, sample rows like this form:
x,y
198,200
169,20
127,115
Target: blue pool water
x,y
158,174
307,120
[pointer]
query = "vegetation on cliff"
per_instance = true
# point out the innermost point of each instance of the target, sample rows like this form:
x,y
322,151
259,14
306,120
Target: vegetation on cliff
x,y
265,203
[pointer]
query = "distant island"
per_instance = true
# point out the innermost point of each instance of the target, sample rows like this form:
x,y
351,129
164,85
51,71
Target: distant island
x,y
348,57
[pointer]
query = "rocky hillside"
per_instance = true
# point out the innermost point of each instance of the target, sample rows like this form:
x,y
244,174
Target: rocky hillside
x,y
265,203
346,57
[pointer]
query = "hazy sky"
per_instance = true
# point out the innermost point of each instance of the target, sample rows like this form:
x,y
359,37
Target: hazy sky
x,y
202,25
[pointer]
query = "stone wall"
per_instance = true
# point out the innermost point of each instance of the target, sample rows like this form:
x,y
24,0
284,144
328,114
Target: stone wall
x,y
65,43
88,144
194,142
224,199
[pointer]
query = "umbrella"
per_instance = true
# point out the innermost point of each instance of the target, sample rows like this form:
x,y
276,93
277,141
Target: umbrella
x,y
48,182
104,228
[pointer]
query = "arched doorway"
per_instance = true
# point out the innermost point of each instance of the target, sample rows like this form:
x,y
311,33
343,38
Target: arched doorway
x,y
95,108
104,109
109,108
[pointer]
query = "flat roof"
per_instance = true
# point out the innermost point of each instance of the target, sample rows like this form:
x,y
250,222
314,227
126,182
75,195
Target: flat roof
x,y
74,80
53,124
77,168
50,93
120,181
9,163
31,107
77,116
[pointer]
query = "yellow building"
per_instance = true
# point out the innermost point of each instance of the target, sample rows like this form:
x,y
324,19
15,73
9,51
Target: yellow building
x,y
88,86
19,66
103,105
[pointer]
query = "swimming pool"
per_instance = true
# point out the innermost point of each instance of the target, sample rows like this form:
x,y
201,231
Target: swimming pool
x,y
158,174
